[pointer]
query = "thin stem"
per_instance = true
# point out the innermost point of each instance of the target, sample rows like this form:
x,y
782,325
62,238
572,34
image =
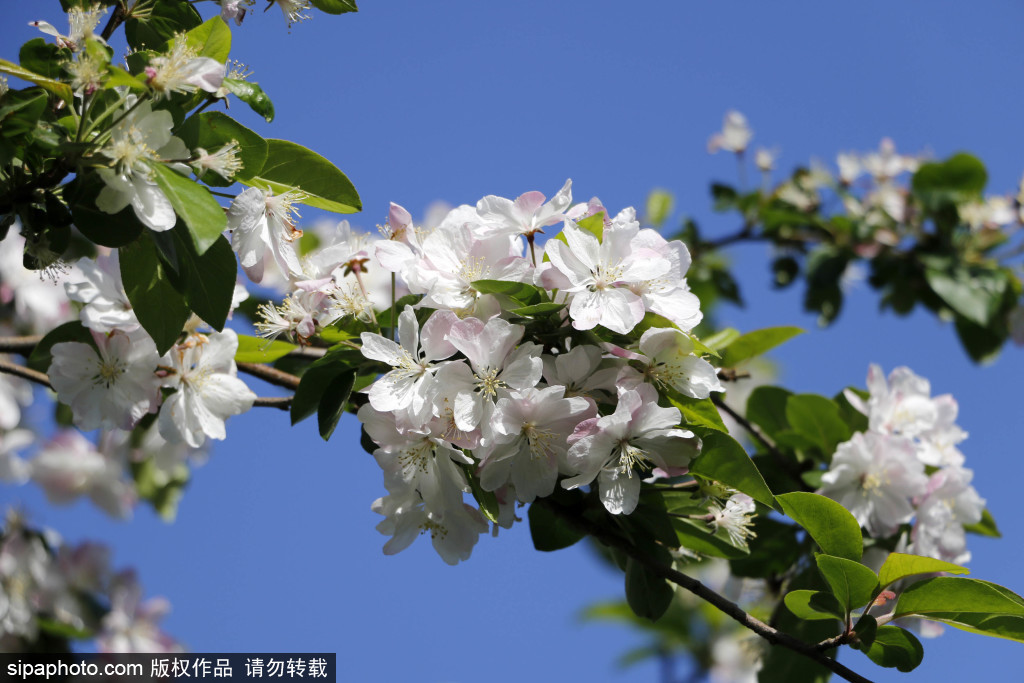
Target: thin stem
x,y
271,375
394,322
221,194
116,17
731,609
25,373
280,402
22,345
533,254
362,288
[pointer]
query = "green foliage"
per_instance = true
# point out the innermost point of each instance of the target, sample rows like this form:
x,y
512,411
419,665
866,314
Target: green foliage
x,y
968,604
722,459
210,39
648,595
253,95
319,376
257,350
207,281
293,167
814,605
40,358
61,90
756,343
659,207
151,30
853,584
960,178
332,403
194,204
335,6
831,525
899,566
895,647
986,527
549,530
212,130
160,308
817,419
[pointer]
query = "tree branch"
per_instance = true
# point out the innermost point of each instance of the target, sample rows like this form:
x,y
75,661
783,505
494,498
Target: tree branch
x,y
22,345
281,402
271,375
772,635
26,373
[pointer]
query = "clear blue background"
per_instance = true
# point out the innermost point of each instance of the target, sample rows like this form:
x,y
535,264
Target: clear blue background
x,y
274,548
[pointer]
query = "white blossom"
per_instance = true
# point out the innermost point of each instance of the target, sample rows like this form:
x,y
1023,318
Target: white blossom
x,y
262,225
69,466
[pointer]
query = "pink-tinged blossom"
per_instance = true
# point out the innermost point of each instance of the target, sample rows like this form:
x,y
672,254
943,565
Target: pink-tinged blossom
x,y
110,385
26,570
39,305
417,459
876,476
262,226
949,504
85,567
105,305
69,466
453,532
526,215
617,449
132,625
528,447
208,390
495,367
180,70
410,386
734,136
886,164
669,295
13,469
671,361
600,274
140,140
233,9
580,372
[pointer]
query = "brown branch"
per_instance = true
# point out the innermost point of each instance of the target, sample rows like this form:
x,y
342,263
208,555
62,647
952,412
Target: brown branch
x,y
271,375
772,635
26,373
308,352
22,345
281,402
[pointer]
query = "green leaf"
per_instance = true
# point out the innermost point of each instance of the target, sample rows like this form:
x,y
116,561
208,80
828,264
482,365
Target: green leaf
x,y
161,309
698,536
21,112
541,309
332,404
659,207
44,58
212,130
648,594
725,197
724,460
593,224
253,95
161,490
550,531
853,584
817,418
293,167
335,6
986,527
814,605
766,407
699,412
384,318
721,339
895,647
960,178
976,293
207,281
61,90
256,350
774,551
982,344
211,39
520,291
165,19
945,595
74,331
757,342
108,230
116,76
318,377
899,566
194,204
832,527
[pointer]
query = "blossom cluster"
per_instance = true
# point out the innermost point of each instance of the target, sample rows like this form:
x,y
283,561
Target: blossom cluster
x,y
46,585
907,467
479,388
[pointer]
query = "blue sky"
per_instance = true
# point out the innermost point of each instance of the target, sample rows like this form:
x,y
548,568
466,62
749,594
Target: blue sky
x,y
274,548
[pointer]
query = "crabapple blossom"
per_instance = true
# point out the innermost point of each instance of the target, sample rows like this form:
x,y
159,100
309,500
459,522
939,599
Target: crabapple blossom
x,y
580,372
105,305
132,625
640,435
13,469
69,466
81,23
734,517
530,428
671,361
734,136
203,372
111,384
453,532
180,70
526,215
876,477
262,226
410,386
949,503
142,138
599,274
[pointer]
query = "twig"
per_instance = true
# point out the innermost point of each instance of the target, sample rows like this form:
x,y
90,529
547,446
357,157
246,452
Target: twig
x,y
835,641
271,375
772,635
308,351
22,345
281,402
26,373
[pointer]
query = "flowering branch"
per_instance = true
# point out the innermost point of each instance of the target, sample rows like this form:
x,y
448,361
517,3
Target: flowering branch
x,y
26,373
22,345
772,635
761,437
271,375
